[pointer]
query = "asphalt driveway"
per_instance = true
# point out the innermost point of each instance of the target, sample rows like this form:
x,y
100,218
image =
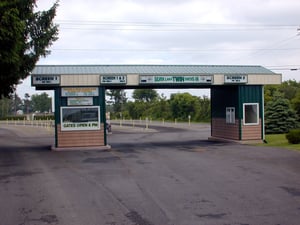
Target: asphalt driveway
x,y
159,176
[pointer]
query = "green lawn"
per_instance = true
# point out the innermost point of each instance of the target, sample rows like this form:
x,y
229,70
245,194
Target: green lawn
x,y
279,140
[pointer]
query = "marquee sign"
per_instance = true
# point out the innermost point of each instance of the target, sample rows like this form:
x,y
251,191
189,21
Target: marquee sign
x,y
111,79
80,118
183,79
235,79
45,80
79,91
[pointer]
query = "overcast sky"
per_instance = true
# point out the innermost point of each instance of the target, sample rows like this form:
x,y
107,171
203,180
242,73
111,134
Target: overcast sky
x,y
235,32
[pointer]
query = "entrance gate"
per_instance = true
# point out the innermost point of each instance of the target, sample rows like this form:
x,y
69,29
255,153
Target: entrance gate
x,y
236,96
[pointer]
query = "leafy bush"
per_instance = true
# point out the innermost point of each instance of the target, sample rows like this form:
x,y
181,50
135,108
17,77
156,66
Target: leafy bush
x,y
293,136
44,117
14,118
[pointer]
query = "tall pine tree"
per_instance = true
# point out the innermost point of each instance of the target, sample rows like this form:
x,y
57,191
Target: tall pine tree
x,y
279,116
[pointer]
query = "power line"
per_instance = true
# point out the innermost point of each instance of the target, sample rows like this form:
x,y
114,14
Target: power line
x,y
170,50
168,26
124,23
284,67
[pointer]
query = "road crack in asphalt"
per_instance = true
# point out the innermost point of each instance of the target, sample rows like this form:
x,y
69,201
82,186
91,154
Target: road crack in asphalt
x,y
101,160
212,216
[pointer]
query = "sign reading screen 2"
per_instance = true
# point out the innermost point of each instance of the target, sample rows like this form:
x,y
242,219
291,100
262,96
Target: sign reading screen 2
x,y
80,118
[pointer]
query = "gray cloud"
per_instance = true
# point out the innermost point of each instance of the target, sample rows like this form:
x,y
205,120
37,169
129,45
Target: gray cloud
x,y
140,31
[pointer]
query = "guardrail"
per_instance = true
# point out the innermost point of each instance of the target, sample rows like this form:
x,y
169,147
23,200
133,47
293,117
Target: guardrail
x,y
132,123
34,123
147,123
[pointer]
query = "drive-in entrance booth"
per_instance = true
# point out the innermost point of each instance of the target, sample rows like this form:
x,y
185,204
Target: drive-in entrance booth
x,y
236,96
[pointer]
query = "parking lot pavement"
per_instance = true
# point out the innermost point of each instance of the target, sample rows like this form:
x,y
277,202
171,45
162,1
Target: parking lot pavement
x,y
167,177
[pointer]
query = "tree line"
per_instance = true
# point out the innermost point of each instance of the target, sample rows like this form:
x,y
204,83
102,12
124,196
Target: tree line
x,y
149,104
14,105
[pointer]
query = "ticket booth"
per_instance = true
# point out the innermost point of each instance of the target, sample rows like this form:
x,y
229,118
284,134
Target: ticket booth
x,y
237,112
80,119
80,116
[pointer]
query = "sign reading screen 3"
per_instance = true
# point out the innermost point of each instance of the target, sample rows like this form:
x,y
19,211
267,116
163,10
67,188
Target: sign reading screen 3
x,y
80,118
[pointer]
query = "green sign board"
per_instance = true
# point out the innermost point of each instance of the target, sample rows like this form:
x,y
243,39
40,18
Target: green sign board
x,y
177,79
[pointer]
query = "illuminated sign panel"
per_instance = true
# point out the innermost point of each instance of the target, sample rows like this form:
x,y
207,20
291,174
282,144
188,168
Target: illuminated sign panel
x,y
186,79
79,92
111,79
80,118
45,80
235,79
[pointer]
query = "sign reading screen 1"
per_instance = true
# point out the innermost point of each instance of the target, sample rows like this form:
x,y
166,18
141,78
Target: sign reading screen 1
x,y
45,80
80,118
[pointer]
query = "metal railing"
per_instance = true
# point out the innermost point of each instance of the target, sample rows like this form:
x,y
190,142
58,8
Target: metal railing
x,y
33,123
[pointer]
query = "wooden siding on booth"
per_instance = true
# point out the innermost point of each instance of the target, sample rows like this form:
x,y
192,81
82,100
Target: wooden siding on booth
x,y
221,129
252,132
80,138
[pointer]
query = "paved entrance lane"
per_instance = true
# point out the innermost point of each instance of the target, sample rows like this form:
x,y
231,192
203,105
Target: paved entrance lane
x,y
166,178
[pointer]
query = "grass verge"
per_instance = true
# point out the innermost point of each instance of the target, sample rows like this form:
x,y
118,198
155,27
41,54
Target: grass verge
x,y
279,140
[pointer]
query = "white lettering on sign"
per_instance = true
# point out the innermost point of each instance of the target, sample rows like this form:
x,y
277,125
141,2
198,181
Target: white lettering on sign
x,y
230,79
45,80
81,126
185,79
113,79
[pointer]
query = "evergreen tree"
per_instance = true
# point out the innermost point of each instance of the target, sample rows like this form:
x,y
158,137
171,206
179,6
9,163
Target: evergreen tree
x,y
279,116
25,36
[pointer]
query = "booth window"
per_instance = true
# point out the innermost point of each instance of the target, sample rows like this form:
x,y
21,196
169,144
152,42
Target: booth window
x,y
251,115
230,115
